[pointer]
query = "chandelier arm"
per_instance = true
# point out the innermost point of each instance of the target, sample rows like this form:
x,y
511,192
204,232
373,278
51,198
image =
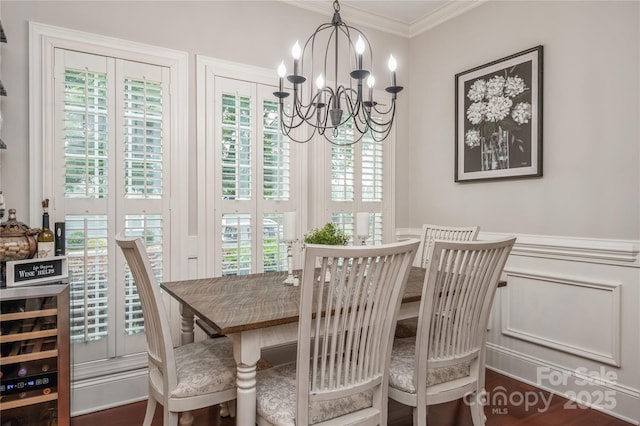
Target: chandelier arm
x,y
287,132
353,107
390,112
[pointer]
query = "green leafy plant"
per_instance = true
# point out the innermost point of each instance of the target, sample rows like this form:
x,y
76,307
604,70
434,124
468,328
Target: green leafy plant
x,y
330,234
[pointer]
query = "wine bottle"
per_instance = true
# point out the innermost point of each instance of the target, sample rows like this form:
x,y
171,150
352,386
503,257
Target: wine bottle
x,y
45,237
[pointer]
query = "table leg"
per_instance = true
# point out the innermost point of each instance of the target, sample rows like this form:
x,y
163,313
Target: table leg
x,y
246,351
186,336
186,325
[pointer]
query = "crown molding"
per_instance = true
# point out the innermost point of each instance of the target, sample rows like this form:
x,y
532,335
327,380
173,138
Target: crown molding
x,y
442,14
355,16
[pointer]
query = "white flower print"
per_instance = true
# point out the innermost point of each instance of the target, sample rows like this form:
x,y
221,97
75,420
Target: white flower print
x,y
514,86
497,108
475,112
472,138
495,86
477,90
521,113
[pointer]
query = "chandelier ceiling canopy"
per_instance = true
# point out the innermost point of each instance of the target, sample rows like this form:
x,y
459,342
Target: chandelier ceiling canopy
x,y
324,108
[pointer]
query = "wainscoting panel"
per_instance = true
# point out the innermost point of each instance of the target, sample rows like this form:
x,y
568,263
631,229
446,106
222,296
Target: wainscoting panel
x,y
592,325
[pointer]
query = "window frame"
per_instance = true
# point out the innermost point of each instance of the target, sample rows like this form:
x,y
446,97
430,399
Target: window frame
x,y
43,40
209,209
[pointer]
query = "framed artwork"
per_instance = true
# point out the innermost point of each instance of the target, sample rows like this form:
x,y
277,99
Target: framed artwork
x,y
499,119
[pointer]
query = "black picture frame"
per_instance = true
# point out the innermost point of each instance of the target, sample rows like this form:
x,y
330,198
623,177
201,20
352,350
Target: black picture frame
x,y
498,119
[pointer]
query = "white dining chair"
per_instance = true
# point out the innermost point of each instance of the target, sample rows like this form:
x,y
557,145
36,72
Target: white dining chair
x,y
430,233
188,377
340,376
445,361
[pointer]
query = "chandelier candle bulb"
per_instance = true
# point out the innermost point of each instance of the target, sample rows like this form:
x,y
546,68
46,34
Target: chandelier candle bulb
x,y
289,226
282,71
362,224
320,86
360,51
295,52
371,81
392,67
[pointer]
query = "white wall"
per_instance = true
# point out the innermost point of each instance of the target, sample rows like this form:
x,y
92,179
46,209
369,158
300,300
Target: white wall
x,y
591,167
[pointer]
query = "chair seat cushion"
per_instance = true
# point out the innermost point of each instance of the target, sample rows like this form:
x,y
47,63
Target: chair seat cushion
x,y
403,363
277,395
204,367
406,328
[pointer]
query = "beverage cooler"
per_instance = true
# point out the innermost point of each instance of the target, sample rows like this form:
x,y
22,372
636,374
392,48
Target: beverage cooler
x,y
34,358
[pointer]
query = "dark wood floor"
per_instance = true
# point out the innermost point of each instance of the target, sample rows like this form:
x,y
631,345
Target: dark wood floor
x,y
558,412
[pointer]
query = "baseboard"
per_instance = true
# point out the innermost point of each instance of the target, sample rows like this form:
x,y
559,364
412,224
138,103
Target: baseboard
x,y
101,393
604,394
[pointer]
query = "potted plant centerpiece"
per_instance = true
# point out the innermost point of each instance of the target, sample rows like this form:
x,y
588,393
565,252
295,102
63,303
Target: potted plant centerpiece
x,y
329,234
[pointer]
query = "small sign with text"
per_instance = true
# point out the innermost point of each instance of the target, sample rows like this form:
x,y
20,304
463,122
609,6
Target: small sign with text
x,y
36,271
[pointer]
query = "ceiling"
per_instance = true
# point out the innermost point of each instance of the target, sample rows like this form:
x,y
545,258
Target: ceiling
x,y
406,18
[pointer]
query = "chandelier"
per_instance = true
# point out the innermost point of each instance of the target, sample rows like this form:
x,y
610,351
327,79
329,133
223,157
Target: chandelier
x,y
325,109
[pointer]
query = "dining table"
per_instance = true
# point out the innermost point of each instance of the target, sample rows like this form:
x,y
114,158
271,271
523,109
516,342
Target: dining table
x,y
256,311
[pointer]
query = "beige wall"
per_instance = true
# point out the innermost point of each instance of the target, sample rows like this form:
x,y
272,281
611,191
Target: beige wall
x,y
259,33
591,164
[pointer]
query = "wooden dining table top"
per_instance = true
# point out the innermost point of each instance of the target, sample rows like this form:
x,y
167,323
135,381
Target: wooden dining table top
x,y
236,303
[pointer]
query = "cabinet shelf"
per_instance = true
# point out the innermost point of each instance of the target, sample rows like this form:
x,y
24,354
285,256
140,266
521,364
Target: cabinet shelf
x,y
29,314
23,402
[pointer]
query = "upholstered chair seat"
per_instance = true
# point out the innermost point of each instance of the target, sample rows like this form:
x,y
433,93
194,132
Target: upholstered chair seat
x,y
204,367
277,394
403,359
406,328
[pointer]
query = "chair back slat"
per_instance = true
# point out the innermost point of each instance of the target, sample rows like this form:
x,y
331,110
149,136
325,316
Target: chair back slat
x,y
431,233
156,322
346,323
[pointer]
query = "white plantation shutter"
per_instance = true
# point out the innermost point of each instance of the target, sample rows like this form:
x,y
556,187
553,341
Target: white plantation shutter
x,y
143,120
276,170
86,240
372,184
111,153
342,172
149,229
359,176
85,133
237,132
372,169
252,165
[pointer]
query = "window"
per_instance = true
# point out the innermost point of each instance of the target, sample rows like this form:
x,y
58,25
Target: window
x,y
254,172
360,180
113,178
111,168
